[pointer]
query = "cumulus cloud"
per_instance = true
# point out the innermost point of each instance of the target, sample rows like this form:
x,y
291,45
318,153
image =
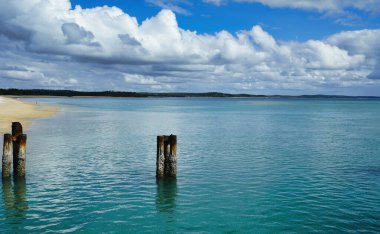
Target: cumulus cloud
x,y
358,42
77,35
62,46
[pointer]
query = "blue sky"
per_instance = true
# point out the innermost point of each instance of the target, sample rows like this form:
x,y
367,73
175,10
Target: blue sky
x,y
282,23
236,46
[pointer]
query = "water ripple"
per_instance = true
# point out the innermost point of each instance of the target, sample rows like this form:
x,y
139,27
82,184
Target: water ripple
x,y
264,166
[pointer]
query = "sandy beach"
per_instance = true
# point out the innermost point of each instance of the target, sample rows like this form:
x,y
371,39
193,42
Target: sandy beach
x,y
13,110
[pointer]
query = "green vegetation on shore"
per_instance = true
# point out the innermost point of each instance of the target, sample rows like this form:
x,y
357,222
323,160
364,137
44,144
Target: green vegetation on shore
x,y
71,93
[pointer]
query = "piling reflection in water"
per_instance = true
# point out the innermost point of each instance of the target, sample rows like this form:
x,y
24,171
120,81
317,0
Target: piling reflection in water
x,y
19,189
166,195
15,200
8,196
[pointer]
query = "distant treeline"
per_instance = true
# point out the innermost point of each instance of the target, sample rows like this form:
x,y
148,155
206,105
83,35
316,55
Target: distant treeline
x,y
71,93
67,93
208,94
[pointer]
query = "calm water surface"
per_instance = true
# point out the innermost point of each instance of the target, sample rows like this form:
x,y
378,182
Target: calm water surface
x,y
245,165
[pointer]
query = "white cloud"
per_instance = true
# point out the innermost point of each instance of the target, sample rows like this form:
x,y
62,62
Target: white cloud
x,y
358,42
72,81
321,55
263,39
105,48
137,79
21,75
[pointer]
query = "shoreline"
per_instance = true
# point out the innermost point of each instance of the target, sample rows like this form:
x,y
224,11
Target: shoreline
x,y
15,110
130,94
274,97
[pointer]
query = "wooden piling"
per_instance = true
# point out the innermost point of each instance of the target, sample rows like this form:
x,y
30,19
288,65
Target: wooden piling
x,y
171,157
160,157
173,145
16,130
19,149
166,164
20,158
19,163
7,156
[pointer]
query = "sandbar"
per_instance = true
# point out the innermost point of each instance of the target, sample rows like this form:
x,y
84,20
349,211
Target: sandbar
x,y
13,110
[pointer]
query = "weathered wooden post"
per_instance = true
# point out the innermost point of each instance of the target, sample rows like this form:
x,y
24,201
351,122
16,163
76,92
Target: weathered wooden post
x,y
171,156
19,164
7,156
166,165
160,157
19,149
16,130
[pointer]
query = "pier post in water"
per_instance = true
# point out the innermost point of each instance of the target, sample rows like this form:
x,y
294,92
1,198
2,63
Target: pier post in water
x,y
19,164
16,130
166,165
19,150
7,156
171,157
160,157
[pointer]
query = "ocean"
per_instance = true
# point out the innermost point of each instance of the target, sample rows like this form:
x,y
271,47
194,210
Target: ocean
x,y
244,166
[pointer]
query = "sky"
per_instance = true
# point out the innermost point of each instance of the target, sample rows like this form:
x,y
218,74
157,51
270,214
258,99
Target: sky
x,y
288,47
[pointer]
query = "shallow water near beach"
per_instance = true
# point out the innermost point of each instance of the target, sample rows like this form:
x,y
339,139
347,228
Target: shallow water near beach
x,y
244,165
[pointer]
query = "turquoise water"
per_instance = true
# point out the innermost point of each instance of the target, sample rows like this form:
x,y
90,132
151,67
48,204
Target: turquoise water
x,y
245,165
